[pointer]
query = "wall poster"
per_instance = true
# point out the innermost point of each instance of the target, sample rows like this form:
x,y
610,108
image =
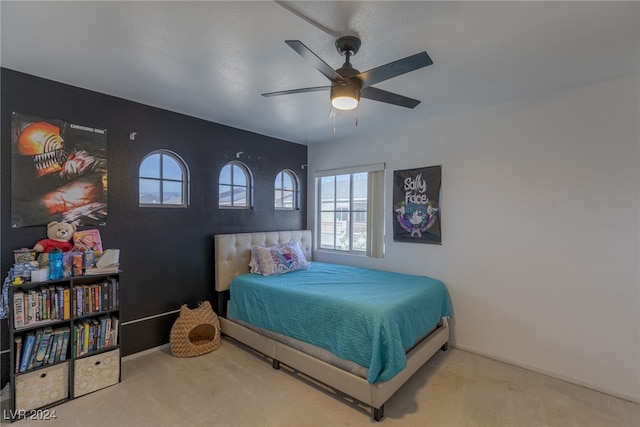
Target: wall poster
x,y
416,205
58,171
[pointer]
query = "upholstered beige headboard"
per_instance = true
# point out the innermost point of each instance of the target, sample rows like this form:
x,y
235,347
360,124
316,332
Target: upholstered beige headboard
x,y
233,251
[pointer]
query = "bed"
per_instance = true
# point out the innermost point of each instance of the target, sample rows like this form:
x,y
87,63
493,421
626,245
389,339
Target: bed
x,y
369,370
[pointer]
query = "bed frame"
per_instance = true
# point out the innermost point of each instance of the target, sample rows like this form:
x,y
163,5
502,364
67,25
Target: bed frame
x,y
232,256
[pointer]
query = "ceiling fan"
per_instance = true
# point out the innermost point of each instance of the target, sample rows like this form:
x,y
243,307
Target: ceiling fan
x,y
348,85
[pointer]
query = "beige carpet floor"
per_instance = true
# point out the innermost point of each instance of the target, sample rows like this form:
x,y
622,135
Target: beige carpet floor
x,y
234,386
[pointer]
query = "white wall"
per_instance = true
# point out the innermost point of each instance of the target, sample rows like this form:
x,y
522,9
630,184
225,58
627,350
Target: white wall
x,y
540,220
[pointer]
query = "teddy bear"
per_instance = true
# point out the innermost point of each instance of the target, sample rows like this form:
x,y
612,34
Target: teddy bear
x,y
59,235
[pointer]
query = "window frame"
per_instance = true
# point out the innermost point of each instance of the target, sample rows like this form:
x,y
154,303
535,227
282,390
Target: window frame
x,y
295,196
184,181
374,209
249,186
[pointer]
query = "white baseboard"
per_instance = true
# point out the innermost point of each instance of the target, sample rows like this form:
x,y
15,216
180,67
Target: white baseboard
x,y
635,399
145,352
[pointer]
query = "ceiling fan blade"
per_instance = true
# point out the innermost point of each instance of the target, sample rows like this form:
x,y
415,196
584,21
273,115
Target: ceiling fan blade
x,y
292,91
317,63
388,97
394,69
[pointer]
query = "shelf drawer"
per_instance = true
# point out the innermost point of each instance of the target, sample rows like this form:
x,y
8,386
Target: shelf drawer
x,y
96,372
42,387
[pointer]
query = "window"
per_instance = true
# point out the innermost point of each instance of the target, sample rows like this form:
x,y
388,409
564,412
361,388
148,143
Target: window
x,y
350,210
163,180
234,186
286,190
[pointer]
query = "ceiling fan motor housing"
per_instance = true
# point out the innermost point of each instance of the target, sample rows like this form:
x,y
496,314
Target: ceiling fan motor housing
x,y
348,44
345,94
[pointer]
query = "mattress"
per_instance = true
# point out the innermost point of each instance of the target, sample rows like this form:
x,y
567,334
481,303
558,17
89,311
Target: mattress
x,y
369,317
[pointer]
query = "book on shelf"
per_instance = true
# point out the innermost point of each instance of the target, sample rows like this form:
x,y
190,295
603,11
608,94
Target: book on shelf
x,y
45,304
30,308
114,330
53,302
105,331
50,356
59,291
27,349
75,341
65,344
34,350
37,302
114,294
42,302
18,309
86,299
52,310
104,293
42,347
97,298
85,337
47,354
18,342
78,303
66,298
59,341
108,340
96,271
93,330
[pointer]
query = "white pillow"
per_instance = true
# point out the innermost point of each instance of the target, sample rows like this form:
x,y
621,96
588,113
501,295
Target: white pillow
x,y
299,254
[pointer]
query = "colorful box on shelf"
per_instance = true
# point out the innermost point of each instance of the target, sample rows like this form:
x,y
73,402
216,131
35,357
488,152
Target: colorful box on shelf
x,y
24,255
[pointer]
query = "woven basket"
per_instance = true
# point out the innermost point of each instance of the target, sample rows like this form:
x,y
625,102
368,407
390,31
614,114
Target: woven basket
x,y
195,332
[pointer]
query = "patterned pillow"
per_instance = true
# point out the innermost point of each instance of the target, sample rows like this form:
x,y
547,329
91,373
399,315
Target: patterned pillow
x,y
280,260
295,248
254,264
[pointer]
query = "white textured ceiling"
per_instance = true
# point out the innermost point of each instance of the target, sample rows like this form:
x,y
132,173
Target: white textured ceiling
x,y
212,60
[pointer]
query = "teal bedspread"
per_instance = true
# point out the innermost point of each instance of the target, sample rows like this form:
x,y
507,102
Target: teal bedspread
x,y
367,316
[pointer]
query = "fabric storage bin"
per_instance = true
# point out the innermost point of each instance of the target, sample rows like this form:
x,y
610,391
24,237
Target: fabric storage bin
x,y
95,372
42,387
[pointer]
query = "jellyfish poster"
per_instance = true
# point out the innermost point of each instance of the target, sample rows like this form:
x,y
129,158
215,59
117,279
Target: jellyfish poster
x,y
58,171
416,205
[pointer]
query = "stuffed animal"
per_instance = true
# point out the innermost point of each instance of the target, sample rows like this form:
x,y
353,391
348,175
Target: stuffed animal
x,y
59,236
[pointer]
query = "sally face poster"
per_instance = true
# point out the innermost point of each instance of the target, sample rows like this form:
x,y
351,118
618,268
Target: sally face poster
x,y
416,205
58,171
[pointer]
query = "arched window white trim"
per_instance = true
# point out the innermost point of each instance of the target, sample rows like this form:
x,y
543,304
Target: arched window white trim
x,y
286,190
235,186
163,180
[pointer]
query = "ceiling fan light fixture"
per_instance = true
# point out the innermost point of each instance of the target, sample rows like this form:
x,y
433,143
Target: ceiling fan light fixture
x,y
345,97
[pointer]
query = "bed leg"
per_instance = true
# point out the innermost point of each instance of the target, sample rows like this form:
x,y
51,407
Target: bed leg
x,y
378,413
275,364
445,346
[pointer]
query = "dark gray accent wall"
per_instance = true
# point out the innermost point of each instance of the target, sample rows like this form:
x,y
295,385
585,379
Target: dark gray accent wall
x,y
166,253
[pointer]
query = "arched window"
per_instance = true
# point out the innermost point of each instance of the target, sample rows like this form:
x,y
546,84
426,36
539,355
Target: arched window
x,y
163,180
286,190
235,186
